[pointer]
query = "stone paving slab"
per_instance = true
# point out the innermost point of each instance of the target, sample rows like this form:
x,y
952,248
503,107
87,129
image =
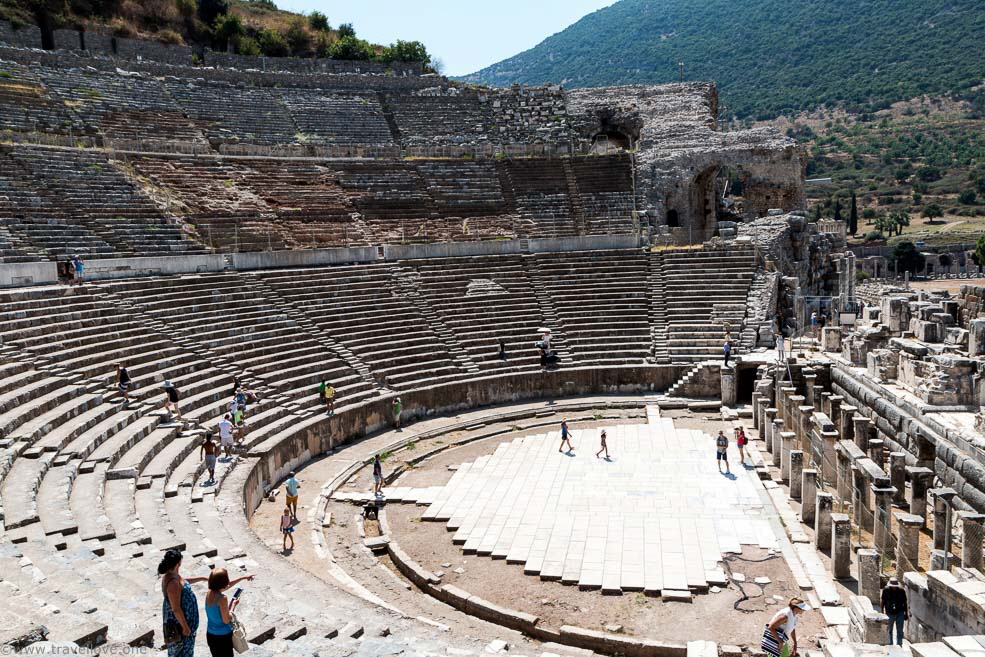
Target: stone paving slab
x,y
656,516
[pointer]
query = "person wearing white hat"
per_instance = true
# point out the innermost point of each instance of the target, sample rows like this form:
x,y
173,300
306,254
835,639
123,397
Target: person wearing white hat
x,y
893,604
780,635
171,398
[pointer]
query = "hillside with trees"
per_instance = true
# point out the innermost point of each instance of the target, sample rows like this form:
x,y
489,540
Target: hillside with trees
x,y
246,27
769,57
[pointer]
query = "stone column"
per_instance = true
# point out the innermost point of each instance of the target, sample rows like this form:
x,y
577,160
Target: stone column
x,y
860,431
897,476
755,411
862,494
825,406
908,545
971,548
728,386
809,382
845,425
787,439
920,481
796,473
876,452
938,560
976,337
822,521
835,411
804,431
770,421
869,570
841,545
882,530
942,516
843,485
808,494
784,404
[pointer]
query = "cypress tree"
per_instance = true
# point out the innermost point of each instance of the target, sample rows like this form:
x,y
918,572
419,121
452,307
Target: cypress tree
x,y
853,216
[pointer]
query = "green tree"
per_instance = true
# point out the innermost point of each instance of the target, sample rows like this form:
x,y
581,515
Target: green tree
x,y
837,213
945,261
351,48
297,37
978,255
967,197
228,28
346,30
407,51
247,46
853,216
905,257
318,21
209,10
817,212
931,211
273,43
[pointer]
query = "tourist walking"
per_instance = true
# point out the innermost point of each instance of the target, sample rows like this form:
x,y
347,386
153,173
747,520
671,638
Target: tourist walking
x,y
502,349
727,350
291,488
209,452
287,528
78,264
814,325
604,448
780,635
740,442
721,452
780,345
180,608
377,476
893,604
219,612
171,397
225,427
123,382
329,398
398,407
565,437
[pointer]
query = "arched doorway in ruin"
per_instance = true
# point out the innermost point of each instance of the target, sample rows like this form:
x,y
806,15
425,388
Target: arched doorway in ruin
x,y
703,192
611,140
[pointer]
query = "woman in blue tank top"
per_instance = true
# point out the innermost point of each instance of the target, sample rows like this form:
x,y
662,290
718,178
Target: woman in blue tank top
x,y
219,611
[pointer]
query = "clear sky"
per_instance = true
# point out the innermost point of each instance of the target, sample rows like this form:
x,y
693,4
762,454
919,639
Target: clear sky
x,y
466,34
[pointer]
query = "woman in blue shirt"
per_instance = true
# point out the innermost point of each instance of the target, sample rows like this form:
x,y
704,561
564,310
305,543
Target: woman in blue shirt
x,y
219,611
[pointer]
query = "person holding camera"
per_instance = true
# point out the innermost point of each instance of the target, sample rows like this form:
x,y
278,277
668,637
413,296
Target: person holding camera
x,y
219,611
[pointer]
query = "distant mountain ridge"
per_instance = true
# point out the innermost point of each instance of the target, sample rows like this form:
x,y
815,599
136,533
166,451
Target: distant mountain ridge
x,y
768,57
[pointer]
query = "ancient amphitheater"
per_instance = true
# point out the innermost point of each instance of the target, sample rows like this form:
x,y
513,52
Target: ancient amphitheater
x,y
282,222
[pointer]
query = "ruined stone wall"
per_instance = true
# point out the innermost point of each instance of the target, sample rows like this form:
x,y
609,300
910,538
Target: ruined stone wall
x,y
944,604
792,246
80,59
958,455
28,36
682,154
528,114
971,299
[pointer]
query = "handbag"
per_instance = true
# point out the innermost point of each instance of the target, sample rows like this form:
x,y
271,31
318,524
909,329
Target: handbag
x,y
769,644
172,633
239,635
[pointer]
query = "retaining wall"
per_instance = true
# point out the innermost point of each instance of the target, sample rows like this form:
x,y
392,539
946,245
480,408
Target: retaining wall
x,y
587,243
28,273
302,258
109,268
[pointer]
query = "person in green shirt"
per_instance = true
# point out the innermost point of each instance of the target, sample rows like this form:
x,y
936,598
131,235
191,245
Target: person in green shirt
x,y
397,408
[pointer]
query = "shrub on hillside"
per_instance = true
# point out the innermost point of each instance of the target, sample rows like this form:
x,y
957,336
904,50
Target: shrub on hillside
x,y
351,48
967,197
272,43
170,37
319,21
297,37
